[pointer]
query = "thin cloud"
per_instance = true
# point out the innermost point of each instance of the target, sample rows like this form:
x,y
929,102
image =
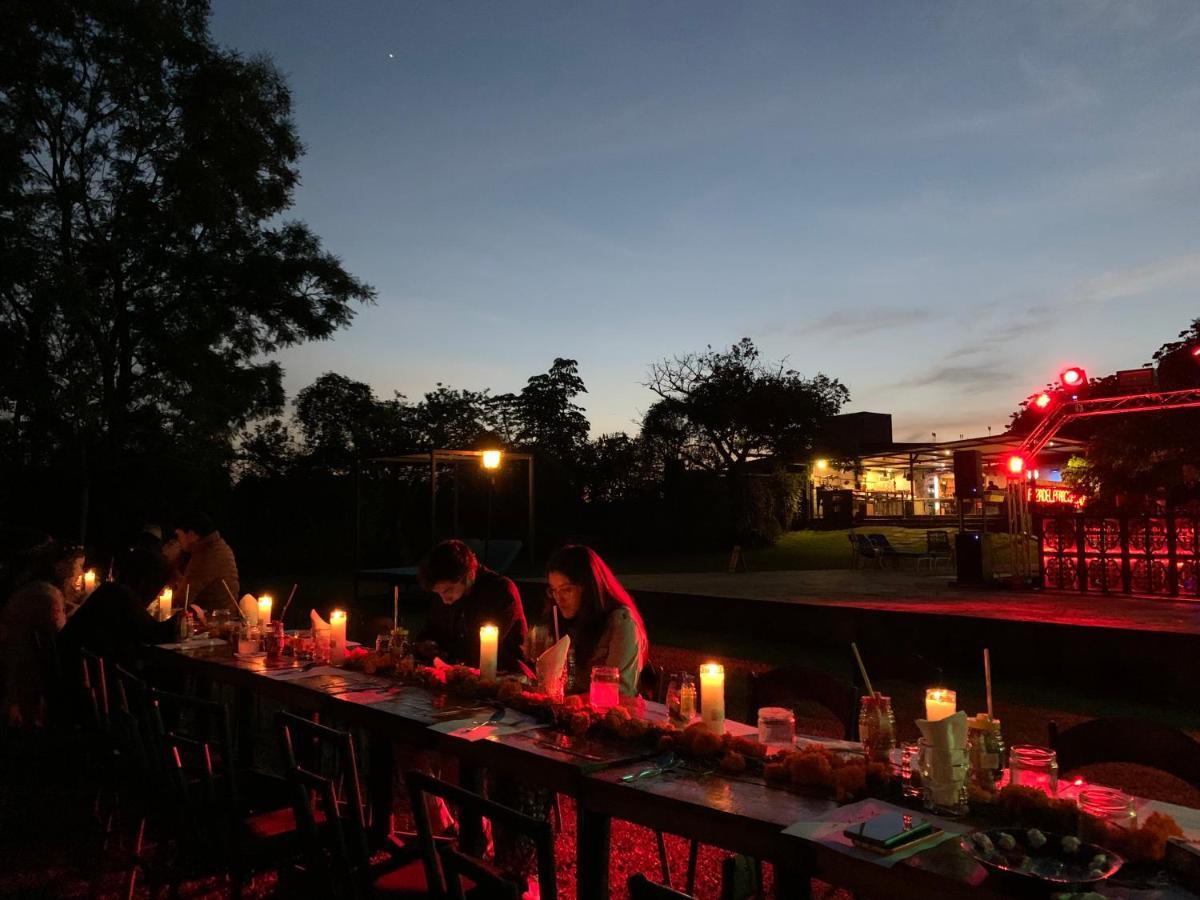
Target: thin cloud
x,y
1135,282
967,376
859,322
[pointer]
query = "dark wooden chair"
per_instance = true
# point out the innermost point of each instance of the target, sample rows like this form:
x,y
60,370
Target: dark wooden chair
x,y
884,548
642,888
330,815
1123,739
792,686
937,549
862,550
448,867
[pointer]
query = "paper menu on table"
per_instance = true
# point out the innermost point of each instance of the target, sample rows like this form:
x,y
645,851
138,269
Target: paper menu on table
x,y
478,728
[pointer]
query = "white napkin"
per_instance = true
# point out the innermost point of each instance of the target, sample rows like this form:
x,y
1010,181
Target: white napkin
x,y
317,621
249,607
550,664
947,740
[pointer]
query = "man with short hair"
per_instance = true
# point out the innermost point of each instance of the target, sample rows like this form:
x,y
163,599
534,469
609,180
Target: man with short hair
x,y
210,562
467,597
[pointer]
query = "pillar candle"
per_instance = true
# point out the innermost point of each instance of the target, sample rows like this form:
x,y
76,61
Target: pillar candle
x,y
165,599
337,637
712,697
89,581
264,610
940,703
489,636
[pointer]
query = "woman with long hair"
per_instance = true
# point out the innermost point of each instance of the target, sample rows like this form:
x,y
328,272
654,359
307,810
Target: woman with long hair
x,y
599,615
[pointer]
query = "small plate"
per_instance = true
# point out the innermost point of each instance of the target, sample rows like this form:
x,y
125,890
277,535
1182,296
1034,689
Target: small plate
x,y
1050,863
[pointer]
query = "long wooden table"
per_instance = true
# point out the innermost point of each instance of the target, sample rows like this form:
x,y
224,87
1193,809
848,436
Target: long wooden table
x,y
740,814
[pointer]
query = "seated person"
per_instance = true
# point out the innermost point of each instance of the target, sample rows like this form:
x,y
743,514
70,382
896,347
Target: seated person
x,y
114,621
600,617
468,596
209,562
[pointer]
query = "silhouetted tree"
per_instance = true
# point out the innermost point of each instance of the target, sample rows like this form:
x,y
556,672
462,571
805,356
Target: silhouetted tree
x,y
145,273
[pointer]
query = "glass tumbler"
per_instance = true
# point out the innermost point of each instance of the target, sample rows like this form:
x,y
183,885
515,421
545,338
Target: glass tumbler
x,y
681,697
876,727
605,691
1035,767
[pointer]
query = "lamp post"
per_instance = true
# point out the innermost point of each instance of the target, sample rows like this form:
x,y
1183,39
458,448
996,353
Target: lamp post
x,y
491,462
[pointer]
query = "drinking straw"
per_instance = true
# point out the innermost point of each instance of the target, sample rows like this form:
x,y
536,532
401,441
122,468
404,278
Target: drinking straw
x,y
862,670
187,593
290,598
395,607
232,599
555,610
987,677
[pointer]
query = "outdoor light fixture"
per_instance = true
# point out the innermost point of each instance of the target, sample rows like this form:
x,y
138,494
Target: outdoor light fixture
x,y
1073,376
1016,464
1042,400
1195,351
822,465
491,459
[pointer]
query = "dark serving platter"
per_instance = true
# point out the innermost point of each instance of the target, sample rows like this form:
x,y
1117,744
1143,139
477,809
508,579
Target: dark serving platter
x,y
1052,863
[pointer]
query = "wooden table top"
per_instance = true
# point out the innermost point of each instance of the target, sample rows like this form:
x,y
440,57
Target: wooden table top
x,y
741,814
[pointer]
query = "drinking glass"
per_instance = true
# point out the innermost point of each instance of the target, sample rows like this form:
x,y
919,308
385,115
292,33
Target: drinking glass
x,y
943,778
681,697
305,645
1035,767
249,640
273,641
383,643
1111,807
776,726
876,727
605,691
909,773
321,641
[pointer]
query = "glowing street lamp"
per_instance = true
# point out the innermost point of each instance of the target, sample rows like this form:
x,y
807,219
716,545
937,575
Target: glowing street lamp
x,y
491,460
822,465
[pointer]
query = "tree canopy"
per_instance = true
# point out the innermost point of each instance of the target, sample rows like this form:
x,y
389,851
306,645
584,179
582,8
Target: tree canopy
x,y
146,273
722,408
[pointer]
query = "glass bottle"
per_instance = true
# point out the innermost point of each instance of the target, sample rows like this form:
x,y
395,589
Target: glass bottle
x,y
1035,767
985,748
876,727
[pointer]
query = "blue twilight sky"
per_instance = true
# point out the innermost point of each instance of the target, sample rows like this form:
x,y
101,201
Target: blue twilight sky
x,y
938,203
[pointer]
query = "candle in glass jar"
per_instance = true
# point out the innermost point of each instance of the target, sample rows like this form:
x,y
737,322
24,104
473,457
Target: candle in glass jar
x,y
89,581
489,637
337,637
264,610
940,703
712,697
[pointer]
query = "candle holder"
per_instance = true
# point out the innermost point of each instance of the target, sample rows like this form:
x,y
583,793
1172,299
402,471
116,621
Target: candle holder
x,y
712,697
940,703
1035,767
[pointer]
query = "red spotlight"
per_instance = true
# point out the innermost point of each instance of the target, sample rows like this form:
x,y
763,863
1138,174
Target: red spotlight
x,y
1073,377
1016,464
1042,400
1195,351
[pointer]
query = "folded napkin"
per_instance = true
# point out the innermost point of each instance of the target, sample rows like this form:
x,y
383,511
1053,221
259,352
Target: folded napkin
x,y
317,621
552,663
249,606
947,748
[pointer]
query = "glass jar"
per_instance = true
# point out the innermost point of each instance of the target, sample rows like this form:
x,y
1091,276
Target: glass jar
x,y
399,644
876,727
249,640
908,772
985,747
776,726
1110,808
681,697
605,690
273,641
1035,767
322,637
943,779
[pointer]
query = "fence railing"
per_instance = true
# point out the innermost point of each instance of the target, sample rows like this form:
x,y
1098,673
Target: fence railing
x,y
1149,554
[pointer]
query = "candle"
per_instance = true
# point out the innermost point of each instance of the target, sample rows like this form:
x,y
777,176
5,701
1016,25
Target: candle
x,y
264,610
337,637
89,581
165,599
940,703
712,697
489,636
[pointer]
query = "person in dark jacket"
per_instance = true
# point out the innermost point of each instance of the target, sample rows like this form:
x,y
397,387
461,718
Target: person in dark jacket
x,y
468,596
113,622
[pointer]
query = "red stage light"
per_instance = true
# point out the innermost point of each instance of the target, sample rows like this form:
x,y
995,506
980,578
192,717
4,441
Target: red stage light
x,y
1073,376
1042,400
1195,351
1016,464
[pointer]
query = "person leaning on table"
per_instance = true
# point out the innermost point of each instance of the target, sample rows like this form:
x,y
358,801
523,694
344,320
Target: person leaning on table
x,y
210,561
468,596
599,615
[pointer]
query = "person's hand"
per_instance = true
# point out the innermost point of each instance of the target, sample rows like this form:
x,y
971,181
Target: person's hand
x,y
198,613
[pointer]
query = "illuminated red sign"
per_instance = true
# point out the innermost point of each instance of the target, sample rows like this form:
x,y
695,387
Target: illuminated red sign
x,y
1039,493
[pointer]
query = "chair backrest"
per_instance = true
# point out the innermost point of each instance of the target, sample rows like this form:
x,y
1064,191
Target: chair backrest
x,y
863,544
94,697
1128,740
790,685
312,749
937,542
338,871
445,869
642,888
880,541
